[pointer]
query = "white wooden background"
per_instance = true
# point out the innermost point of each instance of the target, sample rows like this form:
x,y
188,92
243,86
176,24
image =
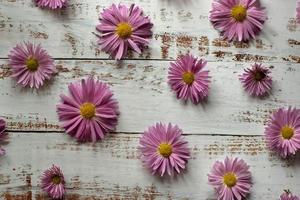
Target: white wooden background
x,y
230,123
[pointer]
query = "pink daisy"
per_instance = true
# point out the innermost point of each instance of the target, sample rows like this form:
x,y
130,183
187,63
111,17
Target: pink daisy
x,y
298,11
237,19
53,182
164,149
52,4
123,28
90,111
287,195
283,131
2,130
31,65
188,79
231,179
257,80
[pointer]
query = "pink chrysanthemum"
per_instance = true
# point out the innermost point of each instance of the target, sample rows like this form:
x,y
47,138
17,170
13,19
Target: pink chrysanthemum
x,y
52,4
164,149
123,28
31,65
237,19
188,79
2,130
53,182
90,111
231,179
257,80
283,131
287,195
298,11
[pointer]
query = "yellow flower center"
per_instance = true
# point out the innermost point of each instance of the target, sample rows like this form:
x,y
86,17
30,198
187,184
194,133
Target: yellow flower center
x,y
287,132
239,13
165,149
259,75
230,179
188,78
32,64
88,110
56,180
124,30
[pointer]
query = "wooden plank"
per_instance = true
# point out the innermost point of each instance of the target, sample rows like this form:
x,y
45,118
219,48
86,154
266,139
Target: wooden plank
x,y
145,97
179,28
111,169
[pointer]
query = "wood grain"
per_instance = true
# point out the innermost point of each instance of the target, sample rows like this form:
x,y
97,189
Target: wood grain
x,y
111,169
179,27
145,97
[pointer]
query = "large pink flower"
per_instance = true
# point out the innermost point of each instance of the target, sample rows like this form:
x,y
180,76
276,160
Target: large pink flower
x,y
237,19
90,111
31,65
287,195
164,149
257,80
231,179
52,4
2,130
283,131
53,182
123,28
188,79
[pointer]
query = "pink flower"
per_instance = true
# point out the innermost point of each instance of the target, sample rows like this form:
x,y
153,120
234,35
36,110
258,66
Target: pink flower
x,y
188,79
52,4
231,179
123,28
283,131
2,130
53,182
90,111
298,11
257,80
287,195
237,19
31,65
163,149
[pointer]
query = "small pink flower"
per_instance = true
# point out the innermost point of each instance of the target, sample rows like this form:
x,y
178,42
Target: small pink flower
x,y
31,65
52,4
123,28
2,130
188,79
287,195
90,111
283,131
237,19
257,80
231,179
164,149
298,11
53,182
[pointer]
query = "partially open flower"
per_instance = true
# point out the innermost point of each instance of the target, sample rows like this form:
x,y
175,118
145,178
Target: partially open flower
x,y
287,195
257,80
53,182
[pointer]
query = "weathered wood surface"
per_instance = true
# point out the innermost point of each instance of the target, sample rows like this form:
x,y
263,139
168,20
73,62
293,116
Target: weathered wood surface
x,y
229,123
111,169
145,97
180,26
